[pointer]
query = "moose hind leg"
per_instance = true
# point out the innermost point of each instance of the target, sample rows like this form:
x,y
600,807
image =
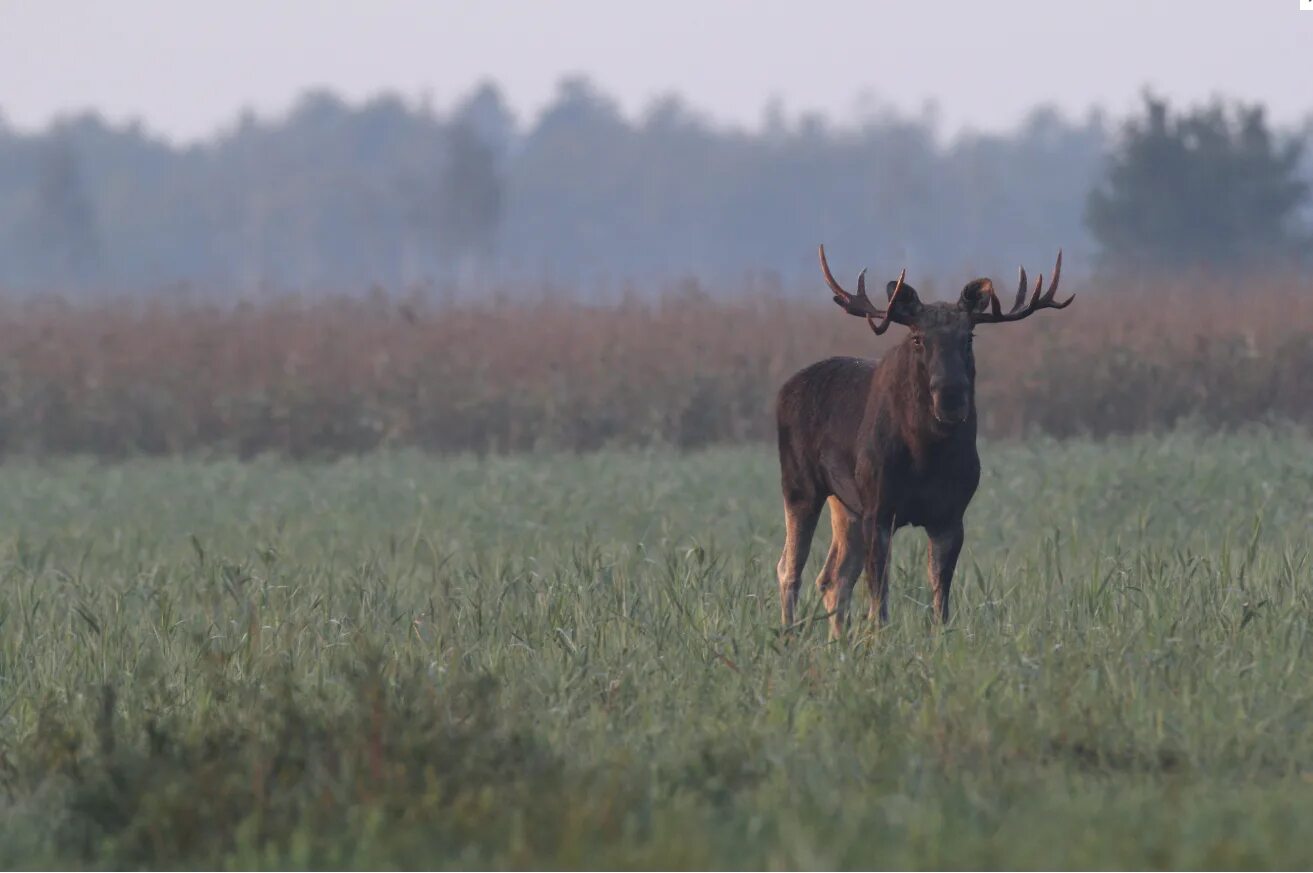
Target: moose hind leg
x,y
827,578
843,566
800,517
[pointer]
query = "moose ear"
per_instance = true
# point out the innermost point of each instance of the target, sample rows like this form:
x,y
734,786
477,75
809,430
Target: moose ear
x,y
906,307
975,296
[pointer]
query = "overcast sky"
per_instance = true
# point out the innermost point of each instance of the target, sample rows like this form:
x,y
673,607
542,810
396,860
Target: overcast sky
x,y
188,68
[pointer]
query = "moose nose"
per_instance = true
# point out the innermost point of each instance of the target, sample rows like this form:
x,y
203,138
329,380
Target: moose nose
x,y
951,402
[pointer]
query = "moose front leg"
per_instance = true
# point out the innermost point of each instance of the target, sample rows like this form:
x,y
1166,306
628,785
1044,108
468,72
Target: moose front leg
x,y
878,537
945,546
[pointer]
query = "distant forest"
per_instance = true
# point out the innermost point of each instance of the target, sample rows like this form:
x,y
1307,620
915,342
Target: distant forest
x,y
342,198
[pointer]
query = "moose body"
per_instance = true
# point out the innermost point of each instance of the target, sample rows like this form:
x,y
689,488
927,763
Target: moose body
x,y
887,444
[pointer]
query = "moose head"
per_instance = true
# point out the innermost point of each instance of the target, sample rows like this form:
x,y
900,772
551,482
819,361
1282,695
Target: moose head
x,y
941,333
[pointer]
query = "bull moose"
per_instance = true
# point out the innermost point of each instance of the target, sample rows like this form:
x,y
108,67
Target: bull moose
x,y
889,443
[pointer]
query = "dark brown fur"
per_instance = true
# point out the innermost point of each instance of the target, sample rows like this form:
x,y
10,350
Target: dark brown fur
x,y
887,444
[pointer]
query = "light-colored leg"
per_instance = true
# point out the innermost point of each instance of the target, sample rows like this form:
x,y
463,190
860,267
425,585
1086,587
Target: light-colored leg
x,y
843,566
828,576
799,525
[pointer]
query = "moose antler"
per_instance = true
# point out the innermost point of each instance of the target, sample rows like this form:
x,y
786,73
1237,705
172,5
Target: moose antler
x,y
859,303
1041,299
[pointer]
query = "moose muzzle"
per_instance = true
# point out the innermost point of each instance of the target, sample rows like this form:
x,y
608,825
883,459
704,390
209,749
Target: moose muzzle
x,y
951,404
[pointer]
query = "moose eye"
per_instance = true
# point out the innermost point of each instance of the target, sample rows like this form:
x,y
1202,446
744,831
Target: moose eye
x,y
917,342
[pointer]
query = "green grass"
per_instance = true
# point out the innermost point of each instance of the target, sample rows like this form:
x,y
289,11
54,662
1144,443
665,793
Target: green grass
x,y
572,661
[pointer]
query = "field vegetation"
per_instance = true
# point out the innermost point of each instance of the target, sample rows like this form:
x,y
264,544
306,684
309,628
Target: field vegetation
x,y
695,367
562,660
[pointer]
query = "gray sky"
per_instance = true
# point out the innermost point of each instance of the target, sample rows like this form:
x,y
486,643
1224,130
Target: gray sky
x,y
188,68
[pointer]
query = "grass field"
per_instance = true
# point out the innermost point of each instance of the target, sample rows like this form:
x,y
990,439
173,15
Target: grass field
x,y
572,661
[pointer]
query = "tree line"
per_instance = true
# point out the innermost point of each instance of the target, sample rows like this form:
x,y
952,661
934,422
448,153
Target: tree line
x,y
334,197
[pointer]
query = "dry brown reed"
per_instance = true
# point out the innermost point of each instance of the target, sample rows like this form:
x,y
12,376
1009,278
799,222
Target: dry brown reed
x,y
335,376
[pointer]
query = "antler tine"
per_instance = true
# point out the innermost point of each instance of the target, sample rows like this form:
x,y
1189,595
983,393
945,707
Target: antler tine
x,y
1023,286
884,322
840,295
1040,298
1053,288
860,304
854,304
